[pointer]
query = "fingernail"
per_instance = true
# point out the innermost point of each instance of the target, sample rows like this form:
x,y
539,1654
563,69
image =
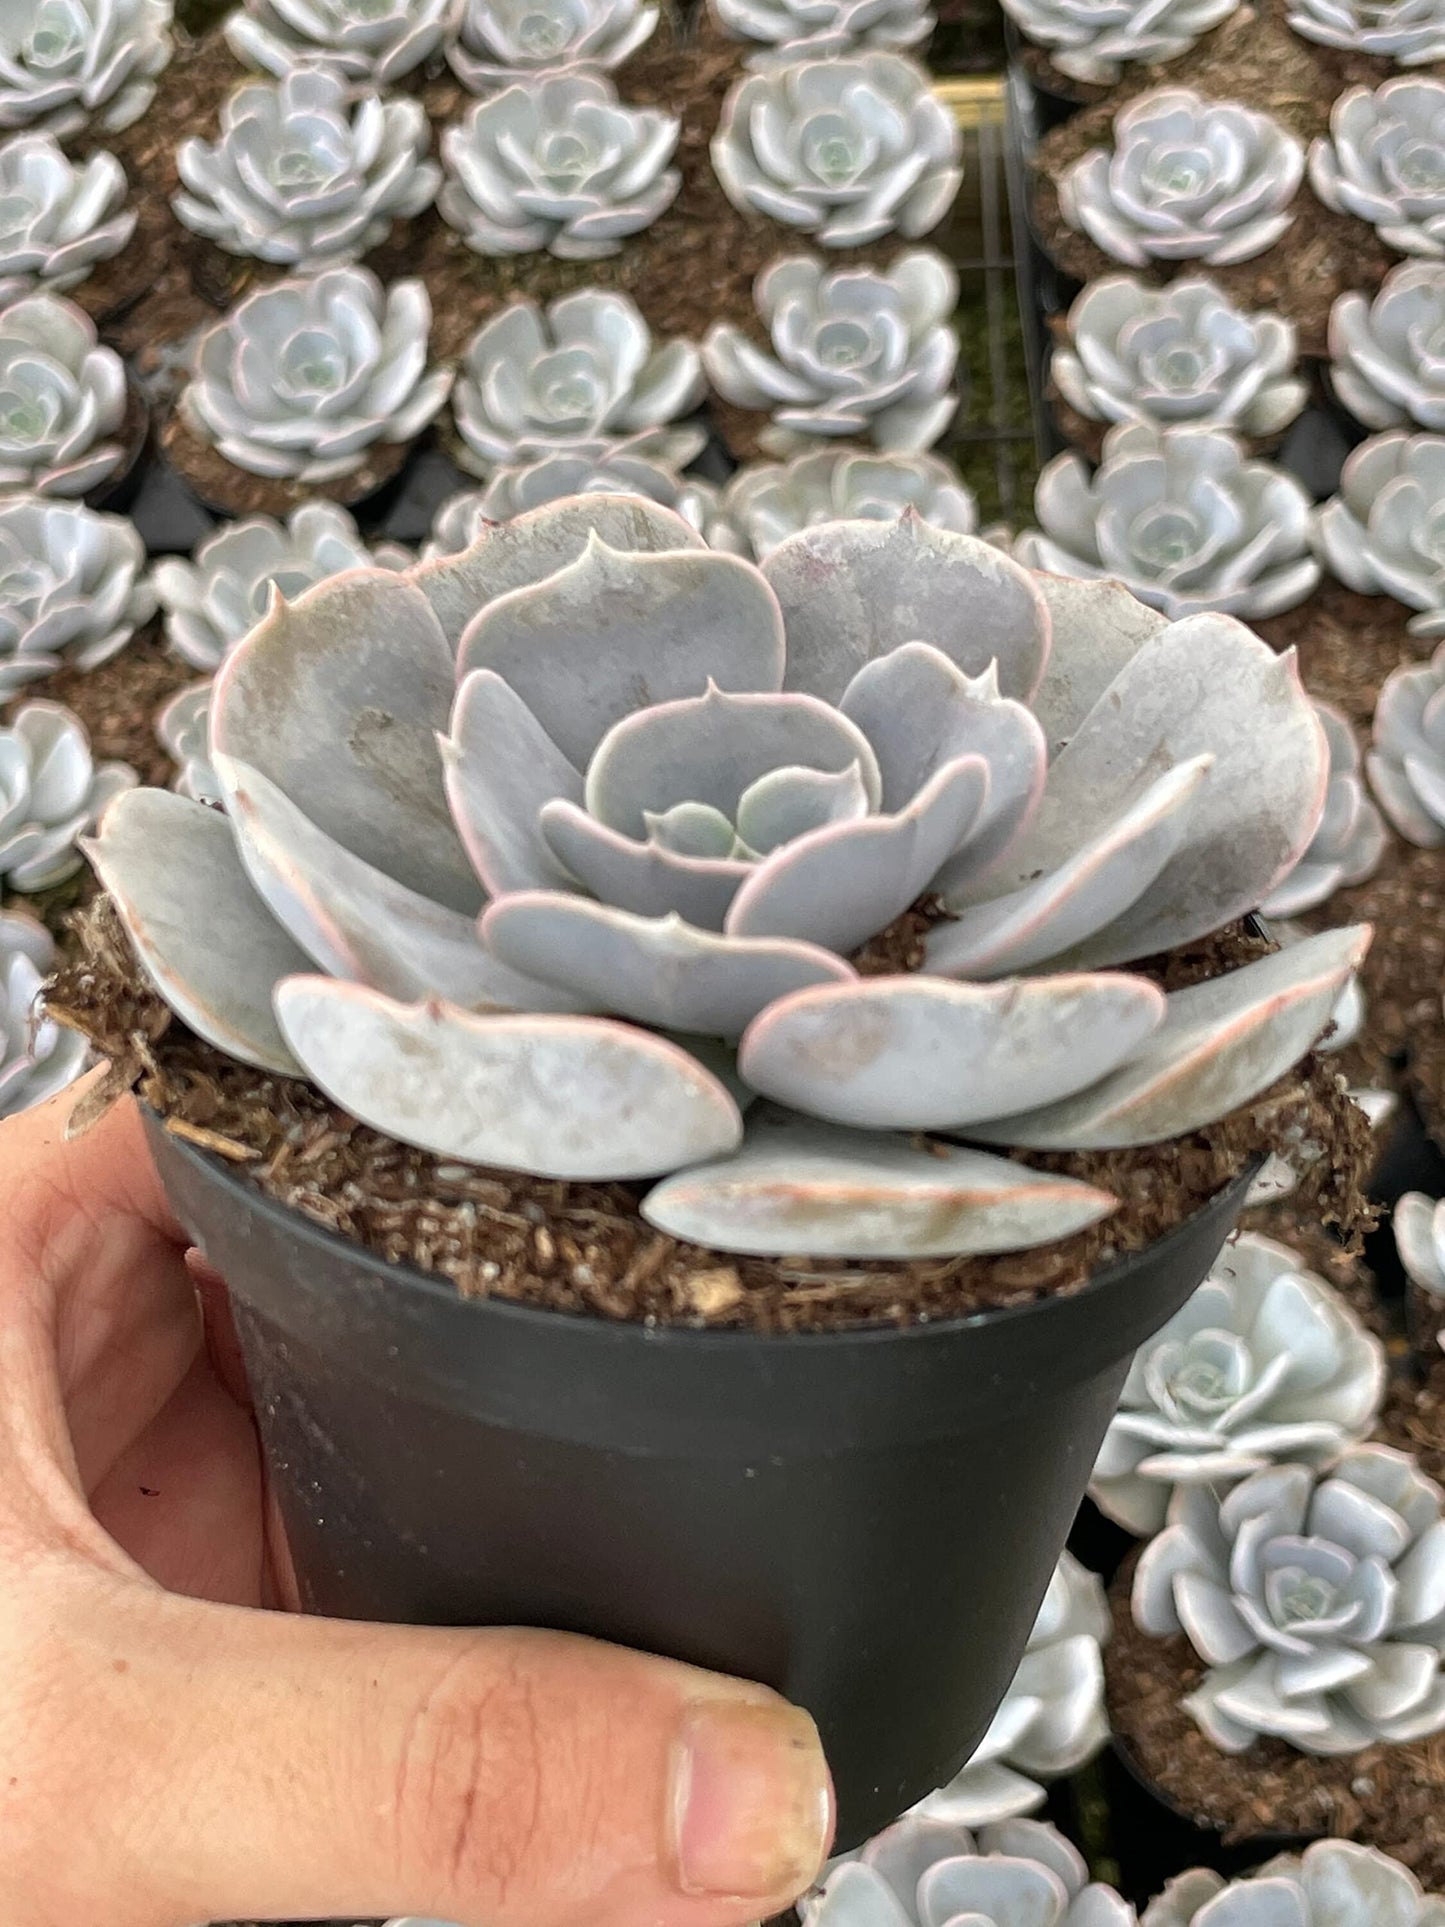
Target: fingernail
x,y
752,1803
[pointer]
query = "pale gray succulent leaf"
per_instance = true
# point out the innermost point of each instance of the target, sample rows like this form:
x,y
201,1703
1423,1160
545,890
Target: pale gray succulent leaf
x,y
1347,847
37,1057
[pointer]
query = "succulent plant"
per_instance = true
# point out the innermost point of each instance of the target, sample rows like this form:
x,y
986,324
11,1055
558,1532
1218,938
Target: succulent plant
x,y
1406,761
1265,1363
58,217
924,1872
1316,1598
766,502
307,173
848,149
1407,32
856,353
72,588
1388,355
580,379
183,730
37,1057
302,378
62,399
373,40
776,768
1187,179
1094,42
1383,161
1418,1223
1052,1719
1351,838
211,601
791,30
1181,516
51,793
1384,533
558,164
1334,1883
1183,353
499,39
64,63
516,491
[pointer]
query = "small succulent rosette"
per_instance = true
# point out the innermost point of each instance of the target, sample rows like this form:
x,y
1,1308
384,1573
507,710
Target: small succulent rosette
x,y
553,855
499,40
1334,1883
377,41
1351,839
72,64
1406,761
62,400
779,32
1095,42
73,588
1387,356
37,1057
51,794
1407,33
766,502
58,218
1418,1224
183,730
515,491
1384,533
1383,161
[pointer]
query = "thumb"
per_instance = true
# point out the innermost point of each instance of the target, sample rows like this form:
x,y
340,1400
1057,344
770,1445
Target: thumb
x,y
497,1778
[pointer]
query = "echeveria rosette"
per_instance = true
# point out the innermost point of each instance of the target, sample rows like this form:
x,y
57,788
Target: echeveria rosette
x,y
1409,33
580,378
1181,516
1187,179
73,588
307,173
781,31
1384,533
499,39
857,354
1388,355
1351,838
1094,40
58,217
766,502
557,163
183,730
1406,760
1418,1224
1316,1599
303,377
37,1057
511,492
65,64
1178,354
213,599
1333,1883
848,149
1264,1363
51,793
379,41
1383,161
62,399
691,788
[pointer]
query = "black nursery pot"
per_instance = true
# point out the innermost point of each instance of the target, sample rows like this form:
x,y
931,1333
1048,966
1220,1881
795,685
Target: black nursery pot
x,y
866,1520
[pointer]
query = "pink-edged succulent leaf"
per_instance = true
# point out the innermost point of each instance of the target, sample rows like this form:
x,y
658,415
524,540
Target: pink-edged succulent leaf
x,y
561,1097
1222,1043
1097,628
1087,893
851,591
646,878
203,936
798,1185
842,884
658,971
913,1053
613,632
338,698
531,547
501,768
356,922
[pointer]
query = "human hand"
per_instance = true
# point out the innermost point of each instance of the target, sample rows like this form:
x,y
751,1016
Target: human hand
x,y
174,1750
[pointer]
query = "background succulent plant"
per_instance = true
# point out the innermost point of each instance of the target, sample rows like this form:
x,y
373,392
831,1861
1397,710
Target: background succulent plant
x,y
1407,32
37,1057
72,588
516,491
1181,516
1388,355
766,502
302,378
1315,1598
499,39
1384,533
1418,1223
856,353
557,163
58,217
50,794
305,173
211,601
1266,1362
848,149
1406,761
1383,161
66,62
375,40
799,770
582,379
1351,839
1187,179
1094,42
1334,1883
807,29
1183,353
183,730
62,399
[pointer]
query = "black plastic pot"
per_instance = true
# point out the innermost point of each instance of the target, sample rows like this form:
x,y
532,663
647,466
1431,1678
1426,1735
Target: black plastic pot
x,y
866,1520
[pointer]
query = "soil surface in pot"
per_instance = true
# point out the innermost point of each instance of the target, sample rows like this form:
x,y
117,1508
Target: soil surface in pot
x,y
1414,1416
1392,1797
585,1247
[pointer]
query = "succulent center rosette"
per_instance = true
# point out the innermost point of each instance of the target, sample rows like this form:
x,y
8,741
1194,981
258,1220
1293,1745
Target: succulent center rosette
x,y
557,855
